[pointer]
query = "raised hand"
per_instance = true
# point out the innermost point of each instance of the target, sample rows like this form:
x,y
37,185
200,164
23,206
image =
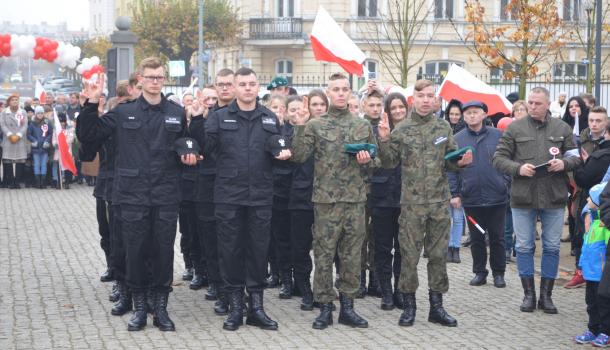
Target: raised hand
x,y
384,128
94,89
302,115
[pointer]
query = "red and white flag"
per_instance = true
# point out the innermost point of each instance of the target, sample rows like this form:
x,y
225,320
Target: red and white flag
x,y
461,85
40,93
66,161
330,43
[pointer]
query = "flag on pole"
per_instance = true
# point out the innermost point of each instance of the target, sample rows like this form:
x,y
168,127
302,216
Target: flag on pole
x,y
66,161
461,85
330,43
40,93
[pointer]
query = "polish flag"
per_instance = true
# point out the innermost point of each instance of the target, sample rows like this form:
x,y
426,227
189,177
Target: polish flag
x,y
459,84
66,161
330,43
40,93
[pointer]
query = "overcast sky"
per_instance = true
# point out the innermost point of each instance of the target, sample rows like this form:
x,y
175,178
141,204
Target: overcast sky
x,y
74,12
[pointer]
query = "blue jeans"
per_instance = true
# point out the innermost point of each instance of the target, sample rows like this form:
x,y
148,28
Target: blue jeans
x,y
56,171
524,221
40,163
457,226
508,230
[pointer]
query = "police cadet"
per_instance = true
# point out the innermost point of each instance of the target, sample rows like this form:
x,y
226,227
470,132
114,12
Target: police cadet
x,y
420,144
204,200
243,194
146,185
384,203
339,196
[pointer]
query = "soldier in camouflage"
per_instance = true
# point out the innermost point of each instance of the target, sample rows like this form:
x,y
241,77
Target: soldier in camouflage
x,y
420,144
339,196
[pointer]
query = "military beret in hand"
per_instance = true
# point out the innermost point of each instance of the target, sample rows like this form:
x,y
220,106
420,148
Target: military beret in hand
x,y
186,145
275,144
354,148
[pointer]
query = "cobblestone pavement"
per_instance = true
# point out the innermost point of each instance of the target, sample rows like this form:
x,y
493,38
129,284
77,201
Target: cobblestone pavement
x,y
51,297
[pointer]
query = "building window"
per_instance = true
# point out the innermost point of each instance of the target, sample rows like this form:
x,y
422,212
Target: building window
x,y
367,8
570,71
505,13
284,68
436,68
496,75
571,10
443,9
284,8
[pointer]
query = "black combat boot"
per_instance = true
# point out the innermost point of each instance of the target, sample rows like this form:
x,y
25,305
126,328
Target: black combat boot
x,y
437,313
124,305
529,294
107,275
196,281
456,255
399,297
212,292
499,281
347,315
307,295
362,289
407,318
479,279
545,303
221,306
374,287
187,275
256,313
387,298
286,285
114,293
236,313
138,320
325,318
161,318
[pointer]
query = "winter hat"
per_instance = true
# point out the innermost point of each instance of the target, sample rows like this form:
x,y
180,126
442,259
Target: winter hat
x,y
39,109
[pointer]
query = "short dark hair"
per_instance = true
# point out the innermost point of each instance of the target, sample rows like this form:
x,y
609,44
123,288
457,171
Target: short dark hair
x,y
225,72
245,71
317,93
337,76
293,98
133,79
598,109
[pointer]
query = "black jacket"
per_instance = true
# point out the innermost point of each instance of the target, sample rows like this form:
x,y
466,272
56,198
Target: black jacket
x,y
594,169
147,169
237,139
282,171
301,186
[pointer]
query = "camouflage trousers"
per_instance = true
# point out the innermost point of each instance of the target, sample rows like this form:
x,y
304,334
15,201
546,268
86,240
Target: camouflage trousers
x,y
340,228
427,226
368,246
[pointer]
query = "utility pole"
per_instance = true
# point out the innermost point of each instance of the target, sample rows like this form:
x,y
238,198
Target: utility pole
x,y
200,53
598,50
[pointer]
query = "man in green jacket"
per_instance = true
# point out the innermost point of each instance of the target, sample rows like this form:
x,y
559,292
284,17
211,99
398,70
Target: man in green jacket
x,y
420,144
533,151
339,196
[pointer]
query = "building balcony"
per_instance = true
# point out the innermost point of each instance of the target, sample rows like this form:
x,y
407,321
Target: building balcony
x,y
276,31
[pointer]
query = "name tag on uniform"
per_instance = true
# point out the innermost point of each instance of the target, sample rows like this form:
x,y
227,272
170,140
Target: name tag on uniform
x,y
229,121
172,120
270,121
440,140
131,118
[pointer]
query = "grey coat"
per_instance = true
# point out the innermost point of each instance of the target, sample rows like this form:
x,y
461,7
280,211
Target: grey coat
x,y
14,123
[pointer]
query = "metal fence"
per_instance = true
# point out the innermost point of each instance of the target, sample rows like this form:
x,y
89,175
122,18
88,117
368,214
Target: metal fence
x,y
572,86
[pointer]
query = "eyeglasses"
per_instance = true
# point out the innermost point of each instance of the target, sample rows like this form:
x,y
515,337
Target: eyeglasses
x,y
223,86
158,78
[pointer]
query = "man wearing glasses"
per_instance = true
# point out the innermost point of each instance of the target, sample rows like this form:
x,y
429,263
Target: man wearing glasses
x,y
146,186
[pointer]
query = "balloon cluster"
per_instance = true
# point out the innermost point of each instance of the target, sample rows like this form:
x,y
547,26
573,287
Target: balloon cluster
x,y
64,54
89,67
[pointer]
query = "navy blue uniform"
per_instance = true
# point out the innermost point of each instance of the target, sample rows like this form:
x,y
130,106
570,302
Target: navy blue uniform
x,y
146,183
243,192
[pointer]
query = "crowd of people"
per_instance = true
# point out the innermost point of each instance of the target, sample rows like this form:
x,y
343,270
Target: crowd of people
x,y
364,179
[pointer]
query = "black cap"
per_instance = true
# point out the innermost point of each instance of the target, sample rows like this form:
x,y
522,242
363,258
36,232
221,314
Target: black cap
x,y
275,144
477,104
186,145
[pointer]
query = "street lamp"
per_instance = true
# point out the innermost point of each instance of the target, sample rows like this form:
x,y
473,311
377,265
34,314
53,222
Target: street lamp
x,y
589,5
598,50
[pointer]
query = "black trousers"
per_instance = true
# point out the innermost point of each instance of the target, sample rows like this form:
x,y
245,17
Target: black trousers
x,y
12,176
301,237
149,233
103,223
208,239
280,233
243,240
189,240
385,227
598,308
492,220
117,243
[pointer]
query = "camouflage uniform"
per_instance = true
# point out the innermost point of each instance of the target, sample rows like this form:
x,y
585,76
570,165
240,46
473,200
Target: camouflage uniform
x,y
368,246
420,144
339,195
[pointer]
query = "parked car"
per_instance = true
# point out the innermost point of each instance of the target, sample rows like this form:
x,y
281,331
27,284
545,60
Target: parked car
x,y
16,78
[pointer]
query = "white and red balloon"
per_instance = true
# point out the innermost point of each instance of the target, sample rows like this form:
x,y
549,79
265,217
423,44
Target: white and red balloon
x,y
66,55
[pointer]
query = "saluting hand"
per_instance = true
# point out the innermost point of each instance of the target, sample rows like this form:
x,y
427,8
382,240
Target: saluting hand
x,y
384,128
